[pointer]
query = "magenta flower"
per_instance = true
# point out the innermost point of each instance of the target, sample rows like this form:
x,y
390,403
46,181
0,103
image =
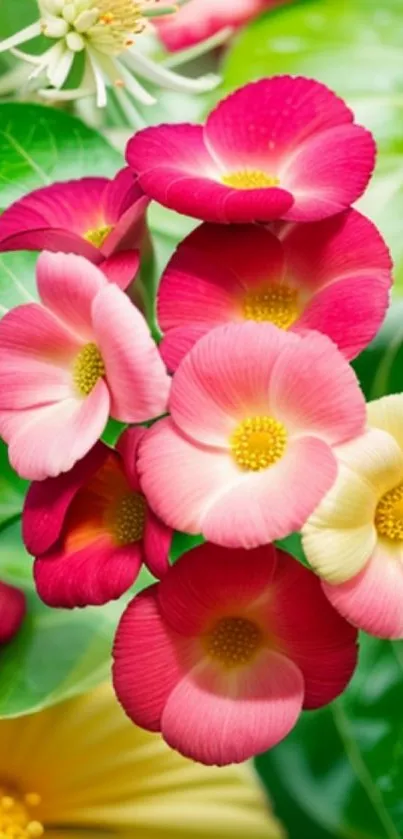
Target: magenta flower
x,y
12,611
246,455
333,276
223,654
91,529
94,217
277,148
198,20
68,362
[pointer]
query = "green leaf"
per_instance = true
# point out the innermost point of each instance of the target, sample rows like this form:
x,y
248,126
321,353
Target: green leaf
x,y
12,489
341,771
357,52
380,367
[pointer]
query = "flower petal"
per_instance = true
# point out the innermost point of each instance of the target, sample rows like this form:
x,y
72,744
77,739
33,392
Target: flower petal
x,y
372,600
12,611
156,545
128,447
136,376
47,502
68,285
219,721
323,646
387,414
121,268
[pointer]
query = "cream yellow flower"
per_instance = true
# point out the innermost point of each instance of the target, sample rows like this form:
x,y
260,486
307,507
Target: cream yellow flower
x,y
354,539
81,770
105,31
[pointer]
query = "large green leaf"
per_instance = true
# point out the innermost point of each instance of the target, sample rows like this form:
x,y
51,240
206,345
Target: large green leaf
x,y
340,772
356,50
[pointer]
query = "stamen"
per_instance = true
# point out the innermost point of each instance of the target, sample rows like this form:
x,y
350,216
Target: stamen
x,y
15,815
127,518
88,367
234,641
275,303
249,179
389,514
258,442
98,235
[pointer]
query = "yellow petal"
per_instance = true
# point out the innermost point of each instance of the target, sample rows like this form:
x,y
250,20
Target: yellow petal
x,y
97,772
387,414
375,457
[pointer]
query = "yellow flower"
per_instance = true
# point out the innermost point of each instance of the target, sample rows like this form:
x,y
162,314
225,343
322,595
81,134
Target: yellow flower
x,y
354,539
81,770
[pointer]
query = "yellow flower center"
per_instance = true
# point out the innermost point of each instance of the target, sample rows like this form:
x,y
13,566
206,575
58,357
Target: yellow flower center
x,y
15,815
128,517
98,235
276,303
234,641
249,179
389,514
258,442
88,367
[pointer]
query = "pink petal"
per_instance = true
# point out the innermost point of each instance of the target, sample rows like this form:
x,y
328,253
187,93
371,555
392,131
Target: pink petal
x,y
120,194
67,285
308,400
136,375
178,341
328,172
350,312
273,503
48,440
29,383
91,576
193,23
128,447
124,205
373,599
260,124
334,248
12,611
121,268
147,662
176,169
208,579
226,377
31,333
156,545
219,721
47,502
313,635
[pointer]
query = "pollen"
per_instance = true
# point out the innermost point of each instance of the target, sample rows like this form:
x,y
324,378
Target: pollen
x,y
249,179
258,442
276,303
234,641
117,21
88,367
127,518
389,514
98,235
15,815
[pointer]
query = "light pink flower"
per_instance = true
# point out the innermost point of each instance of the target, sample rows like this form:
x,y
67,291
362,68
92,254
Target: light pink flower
x,y
222,655
12,611
246,454
91,529
278,148
201,19
99,218
333,276
68,362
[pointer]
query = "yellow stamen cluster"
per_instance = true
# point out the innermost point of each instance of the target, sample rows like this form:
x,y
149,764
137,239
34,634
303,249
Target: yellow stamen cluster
x,y
119,20
234,641
258,442
128,518
98,235
88,367
249,179
389,514
15,816
277,304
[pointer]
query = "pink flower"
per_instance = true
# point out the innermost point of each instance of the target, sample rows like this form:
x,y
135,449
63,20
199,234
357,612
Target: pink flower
x,y
277,148
91,529
333,276
94,217
201,19
246,455
12,611
222,655
68,362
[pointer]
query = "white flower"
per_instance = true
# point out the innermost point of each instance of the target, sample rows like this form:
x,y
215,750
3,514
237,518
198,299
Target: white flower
x,y
105,31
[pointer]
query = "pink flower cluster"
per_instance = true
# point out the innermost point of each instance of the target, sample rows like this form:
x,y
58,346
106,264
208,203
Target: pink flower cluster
x,y
261,309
